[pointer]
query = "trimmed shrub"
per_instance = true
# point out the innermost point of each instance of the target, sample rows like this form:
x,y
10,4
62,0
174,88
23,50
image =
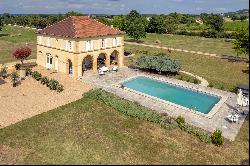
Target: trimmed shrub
x,y
234,89
217,138
180,120
52,84
36,75
28,71
159,63
18,66
4,72
14,78
196,81
210,85
59,88
44,80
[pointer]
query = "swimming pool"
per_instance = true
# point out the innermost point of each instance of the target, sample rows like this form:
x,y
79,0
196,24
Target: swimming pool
x,y
188,98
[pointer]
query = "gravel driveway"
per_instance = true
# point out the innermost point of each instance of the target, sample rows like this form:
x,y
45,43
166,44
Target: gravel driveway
x,y
32,98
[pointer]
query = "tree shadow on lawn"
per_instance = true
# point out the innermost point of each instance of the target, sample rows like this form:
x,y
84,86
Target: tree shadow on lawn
x,y
4,34
136,41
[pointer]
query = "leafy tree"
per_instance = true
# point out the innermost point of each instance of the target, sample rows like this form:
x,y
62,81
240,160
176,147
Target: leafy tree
x,y
157,24
117,22
22,53
241,43
1,24
215,21
135,25
243,17
73,13
171,24
153,25
235,17
159,63
104,20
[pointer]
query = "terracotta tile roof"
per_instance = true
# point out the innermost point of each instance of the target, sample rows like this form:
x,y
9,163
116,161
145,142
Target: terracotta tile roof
x,y
79,27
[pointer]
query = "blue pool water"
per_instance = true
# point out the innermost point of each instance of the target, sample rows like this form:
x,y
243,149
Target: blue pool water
x,y
191,99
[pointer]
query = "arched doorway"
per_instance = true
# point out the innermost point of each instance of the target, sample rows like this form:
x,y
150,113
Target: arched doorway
x,y
87,63
101,60
70,67
114,58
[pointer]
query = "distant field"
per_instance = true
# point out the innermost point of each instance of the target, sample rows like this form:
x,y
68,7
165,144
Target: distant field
x,y
228,26
221,73
13,37
233,26
194,43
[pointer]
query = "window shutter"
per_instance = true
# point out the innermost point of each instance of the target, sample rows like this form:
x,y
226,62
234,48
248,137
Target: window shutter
x,y
66,47
105,43
92,45
118,41
87,45
113,41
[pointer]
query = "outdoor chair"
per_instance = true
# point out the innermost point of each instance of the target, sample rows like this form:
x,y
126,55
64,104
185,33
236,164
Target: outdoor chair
x,y
233,118
115,68
101,72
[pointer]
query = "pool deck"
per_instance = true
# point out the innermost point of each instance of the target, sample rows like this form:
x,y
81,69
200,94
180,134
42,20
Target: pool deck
x,y
215,119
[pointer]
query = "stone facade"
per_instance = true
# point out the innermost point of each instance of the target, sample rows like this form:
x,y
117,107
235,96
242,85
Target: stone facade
x,y
68,55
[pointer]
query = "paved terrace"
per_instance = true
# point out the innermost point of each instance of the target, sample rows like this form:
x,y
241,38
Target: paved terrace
x,y
110,81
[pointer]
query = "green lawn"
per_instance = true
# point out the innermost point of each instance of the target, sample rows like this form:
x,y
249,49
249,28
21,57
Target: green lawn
x,y
191,43
228,26
220,73
89,131
13,37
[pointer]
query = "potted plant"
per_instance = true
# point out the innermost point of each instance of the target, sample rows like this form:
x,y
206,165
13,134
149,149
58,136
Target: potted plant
x,y
14,78
4,72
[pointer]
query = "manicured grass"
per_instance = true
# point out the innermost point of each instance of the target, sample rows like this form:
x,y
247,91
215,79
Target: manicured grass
x,y
191,43
13,37
219,72
88,131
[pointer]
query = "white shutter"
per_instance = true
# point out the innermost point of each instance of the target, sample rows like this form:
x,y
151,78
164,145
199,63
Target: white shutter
x,y
92,45
113,41
106,43
87,45
66,47
118,41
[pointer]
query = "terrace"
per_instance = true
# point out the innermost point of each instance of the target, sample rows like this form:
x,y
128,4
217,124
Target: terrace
x,y
111,80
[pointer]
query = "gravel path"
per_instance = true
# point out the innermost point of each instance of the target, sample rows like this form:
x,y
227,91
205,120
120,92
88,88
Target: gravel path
x,y
32,98
173,49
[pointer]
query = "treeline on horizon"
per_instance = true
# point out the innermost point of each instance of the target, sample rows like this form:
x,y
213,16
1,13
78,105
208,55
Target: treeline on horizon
x,y
162,24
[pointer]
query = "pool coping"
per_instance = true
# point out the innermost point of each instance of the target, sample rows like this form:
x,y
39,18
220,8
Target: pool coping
x,y
214,110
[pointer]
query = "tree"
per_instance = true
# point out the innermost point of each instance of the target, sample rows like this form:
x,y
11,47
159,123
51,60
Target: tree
x,y
171,24
22,53
1,24
117,22
241,43
215,21
157,24
135,25
73,13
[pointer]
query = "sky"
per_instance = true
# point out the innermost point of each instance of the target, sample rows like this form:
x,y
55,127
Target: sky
x,y
121,6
